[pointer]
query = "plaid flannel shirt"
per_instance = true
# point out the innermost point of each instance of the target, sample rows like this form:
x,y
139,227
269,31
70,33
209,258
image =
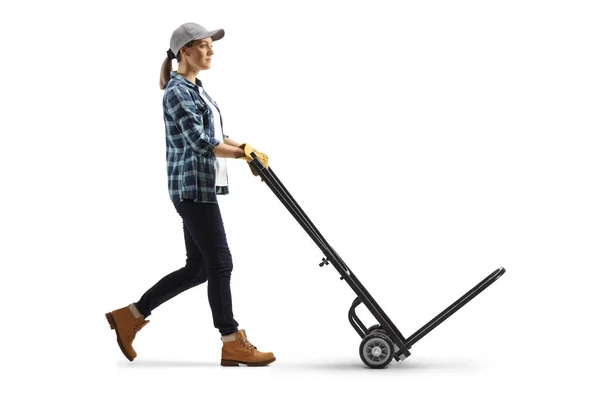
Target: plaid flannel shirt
x,y
190,136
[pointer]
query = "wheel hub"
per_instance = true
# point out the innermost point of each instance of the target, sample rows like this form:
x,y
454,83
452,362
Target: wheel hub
x,y
376,351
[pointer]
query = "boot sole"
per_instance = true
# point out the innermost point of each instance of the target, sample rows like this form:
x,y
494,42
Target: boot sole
x,y
235,363
113,325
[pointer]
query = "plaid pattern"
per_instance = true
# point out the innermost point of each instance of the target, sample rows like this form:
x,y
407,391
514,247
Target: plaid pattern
x,y
190,136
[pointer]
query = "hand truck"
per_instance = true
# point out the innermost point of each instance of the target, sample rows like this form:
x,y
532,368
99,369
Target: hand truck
x,y
382,342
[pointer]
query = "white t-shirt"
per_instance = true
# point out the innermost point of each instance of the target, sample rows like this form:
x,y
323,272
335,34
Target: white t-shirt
x,y
221,163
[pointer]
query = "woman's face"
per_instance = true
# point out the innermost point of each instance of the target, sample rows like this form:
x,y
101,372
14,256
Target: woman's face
x,y
199,55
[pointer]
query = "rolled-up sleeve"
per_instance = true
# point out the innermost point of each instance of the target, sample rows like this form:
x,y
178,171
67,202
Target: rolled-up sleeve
x,y
183,110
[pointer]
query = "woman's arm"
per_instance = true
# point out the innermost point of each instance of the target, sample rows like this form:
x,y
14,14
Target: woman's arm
x,y
229,148
232,142
224,150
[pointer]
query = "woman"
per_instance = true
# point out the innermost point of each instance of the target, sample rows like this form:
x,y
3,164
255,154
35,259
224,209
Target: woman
x,y
196,153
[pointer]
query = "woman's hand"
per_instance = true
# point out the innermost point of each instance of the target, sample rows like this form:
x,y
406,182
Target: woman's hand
x,y
248,150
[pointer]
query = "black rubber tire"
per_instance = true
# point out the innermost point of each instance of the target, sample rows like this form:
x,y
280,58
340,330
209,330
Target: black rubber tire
x,y
376,350
372,328
376,328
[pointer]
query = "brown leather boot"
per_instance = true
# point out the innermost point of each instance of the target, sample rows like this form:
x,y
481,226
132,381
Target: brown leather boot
x,y
241,351
126,324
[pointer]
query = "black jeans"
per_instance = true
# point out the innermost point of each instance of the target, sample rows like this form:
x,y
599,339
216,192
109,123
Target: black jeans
x,y
208,258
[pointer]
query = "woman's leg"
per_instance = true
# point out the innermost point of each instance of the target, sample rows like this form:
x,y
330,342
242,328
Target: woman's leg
x,y
205,225
193,274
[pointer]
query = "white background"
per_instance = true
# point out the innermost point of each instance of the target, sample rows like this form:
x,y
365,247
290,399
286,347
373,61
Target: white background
x,y
431,142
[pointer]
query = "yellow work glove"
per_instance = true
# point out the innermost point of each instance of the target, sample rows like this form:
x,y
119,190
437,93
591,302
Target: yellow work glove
x,y
248,149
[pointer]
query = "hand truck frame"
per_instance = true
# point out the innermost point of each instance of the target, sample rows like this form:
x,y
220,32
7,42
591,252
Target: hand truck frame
x,y
380,343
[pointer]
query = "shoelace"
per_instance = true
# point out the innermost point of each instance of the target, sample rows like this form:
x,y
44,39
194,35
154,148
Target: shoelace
x,y
138,325
247,344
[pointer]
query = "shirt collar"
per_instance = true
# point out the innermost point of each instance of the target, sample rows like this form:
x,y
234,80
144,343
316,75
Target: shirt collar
x,y
177,76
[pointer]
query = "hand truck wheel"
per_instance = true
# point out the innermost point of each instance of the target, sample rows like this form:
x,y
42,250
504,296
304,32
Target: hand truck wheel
x,y
376,350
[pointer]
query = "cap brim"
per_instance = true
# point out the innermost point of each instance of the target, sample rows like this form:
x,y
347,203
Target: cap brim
x,y
215,35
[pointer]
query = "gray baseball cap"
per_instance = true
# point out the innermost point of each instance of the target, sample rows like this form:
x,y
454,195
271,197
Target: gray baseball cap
x,y
191,31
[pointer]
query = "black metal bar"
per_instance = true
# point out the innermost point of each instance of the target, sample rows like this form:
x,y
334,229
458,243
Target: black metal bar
x,y
356,323
279,187
284,195
344,267
458,304
290,203
386,320
270,179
